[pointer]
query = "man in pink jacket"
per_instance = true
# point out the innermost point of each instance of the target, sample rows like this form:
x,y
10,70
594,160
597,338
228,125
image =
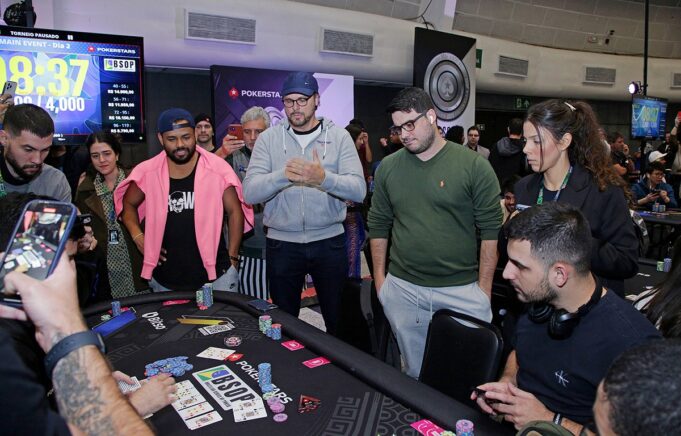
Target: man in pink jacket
x,y
182,195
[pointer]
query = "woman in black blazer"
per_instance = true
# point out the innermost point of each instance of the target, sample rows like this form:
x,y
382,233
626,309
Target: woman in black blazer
x,y
573,166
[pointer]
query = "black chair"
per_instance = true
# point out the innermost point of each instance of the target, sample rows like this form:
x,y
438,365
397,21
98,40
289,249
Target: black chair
x,y
461,352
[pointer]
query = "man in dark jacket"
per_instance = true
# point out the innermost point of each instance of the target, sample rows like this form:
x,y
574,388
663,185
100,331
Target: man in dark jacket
x,y
506,156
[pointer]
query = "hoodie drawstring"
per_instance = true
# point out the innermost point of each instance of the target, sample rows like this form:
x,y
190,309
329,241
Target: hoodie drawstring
x,y
430,302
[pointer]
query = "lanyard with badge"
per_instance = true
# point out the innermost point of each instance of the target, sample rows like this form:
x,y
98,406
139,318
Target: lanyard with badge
x,y
3,192
540,197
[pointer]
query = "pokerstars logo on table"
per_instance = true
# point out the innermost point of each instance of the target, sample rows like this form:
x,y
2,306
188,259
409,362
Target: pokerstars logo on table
x,y
233,93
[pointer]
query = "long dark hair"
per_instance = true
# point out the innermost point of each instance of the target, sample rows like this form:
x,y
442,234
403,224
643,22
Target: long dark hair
x,y
664,309
559,117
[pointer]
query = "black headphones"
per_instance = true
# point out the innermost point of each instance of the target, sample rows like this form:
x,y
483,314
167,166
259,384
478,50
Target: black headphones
x,y
561,322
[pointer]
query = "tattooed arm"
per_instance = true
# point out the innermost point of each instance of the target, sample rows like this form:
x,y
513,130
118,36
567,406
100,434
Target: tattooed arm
x,y
87,394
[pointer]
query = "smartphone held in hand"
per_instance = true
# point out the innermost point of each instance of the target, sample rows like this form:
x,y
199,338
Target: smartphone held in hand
x,y
39,238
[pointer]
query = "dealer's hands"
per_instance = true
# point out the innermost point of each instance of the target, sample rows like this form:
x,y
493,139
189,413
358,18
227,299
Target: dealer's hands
x,y
52,304
155,394
517,406
299,170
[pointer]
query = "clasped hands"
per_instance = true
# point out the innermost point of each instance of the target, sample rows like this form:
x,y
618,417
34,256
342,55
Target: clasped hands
x,y
300,170
515,405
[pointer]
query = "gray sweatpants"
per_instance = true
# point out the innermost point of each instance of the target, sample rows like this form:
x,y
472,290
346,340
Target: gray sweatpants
x,y
410,307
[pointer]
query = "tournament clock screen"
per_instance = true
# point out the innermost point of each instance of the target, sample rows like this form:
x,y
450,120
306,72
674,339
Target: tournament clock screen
x,y
87,82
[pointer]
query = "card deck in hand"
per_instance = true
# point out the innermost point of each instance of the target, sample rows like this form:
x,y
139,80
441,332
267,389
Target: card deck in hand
x,y
127,388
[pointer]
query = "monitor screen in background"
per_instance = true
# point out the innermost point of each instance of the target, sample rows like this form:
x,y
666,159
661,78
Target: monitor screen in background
x,y
648,117
85,81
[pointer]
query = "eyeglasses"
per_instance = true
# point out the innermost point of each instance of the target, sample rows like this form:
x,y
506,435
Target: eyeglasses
x,y
302,101
409,126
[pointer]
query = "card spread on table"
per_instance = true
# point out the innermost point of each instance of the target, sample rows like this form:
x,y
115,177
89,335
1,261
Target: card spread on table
x,y
195,410
187,395
127,388
213,329
203,420
427,427
248,410
215,353
292,345
317,361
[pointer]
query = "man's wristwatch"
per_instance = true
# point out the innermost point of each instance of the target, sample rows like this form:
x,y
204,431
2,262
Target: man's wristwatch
x,y
69,344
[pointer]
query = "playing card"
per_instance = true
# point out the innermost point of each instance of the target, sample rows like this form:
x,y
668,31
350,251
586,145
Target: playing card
x,y
248,410
293,345
196,410
203,420
317,361
127,388
187,401
212,329
215,353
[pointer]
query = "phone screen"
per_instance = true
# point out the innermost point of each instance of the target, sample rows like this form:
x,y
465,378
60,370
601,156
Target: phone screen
x,y
39,239
116,323
236,130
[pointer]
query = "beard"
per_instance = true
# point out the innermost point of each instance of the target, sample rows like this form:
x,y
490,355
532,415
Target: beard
x,y
542,294
306,119
424,145
181,160
21,170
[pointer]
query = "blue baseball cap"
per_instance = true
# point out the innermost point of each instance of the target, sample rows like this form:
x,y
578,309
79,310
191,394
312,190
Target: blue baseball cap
x,y
166,121
300,83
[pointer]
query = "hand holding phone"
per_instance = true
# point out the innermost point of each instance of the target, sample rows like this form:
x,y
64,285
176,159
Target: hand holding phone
x,y
236,130
40,236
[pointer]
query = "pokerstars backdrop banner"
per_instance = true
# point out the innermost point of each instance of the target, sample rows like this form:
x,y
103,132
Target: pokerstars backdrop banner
x,y
236,89
444,65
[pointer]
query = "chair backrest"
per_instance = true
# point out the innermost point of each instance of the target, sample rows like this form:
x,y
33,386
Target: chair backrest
x,y
461,352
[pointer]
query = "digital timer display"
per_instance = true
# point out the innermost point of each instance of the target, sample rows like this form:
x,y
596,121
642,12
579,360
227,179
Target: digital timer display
x,y
86,81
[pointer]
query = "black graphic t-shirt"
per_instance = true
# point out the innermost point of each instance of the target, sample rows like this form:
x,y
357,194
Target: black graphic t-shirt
x,y
183,270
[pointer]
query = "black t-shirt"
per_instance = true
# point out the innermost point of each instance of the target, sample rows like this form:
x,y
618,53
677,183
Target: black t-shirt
x,y
183,270
23,400
564,374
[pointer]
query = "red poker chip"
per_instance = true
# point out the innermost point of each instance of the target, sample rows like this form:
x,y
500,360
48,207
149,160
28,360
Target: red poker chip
x,y
280,417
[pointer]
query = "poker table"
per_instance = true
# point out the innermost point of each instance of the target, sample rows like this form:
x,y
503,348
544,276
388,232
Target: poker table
x,y
359,394
647,277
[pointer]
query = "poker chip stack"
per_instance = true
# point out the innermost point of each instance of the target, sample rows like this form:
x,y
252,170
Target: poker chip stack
x,y
207,294
464,427
115,308
233,341
276,332
199,300
275,404
264,323
265,377
175,366
667,264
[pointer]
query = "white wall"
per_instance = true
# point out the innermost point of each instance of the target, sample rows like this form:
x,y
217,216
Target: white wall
x,y
288,35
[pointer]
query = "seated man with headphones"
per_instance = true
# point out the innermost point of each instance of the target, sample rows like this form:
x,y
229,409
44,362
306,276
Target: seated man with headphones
x,y
573,328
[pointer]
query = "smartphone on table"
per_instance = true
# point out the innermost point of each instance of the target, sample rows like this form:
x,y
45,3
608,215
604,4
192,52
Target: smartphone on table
x,y
236,130
39,238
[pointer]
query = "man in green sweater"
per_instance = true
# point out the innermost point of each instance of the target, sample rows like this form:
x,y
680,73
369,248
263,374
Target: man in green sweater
x,y
430,198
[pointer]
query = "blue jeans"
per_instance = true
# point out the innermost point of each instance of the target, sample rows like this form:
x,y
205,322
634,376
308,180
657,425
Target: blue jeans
x,y
325,261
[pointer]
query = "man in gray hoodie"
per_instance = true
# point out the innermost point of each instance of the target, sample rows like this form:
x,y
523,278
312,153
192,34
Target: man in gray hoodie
x,y
304,170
